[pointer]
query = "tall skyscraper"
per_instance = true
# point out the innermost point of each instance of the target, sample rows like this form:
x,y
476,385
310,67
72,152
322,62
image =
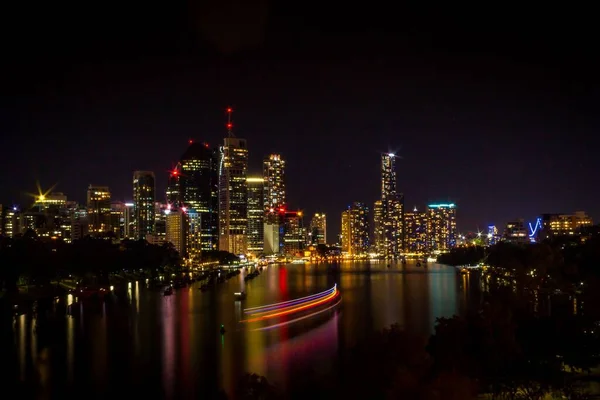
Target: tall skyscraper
x,y
441,227
174,186
233,193
318,229
98,210
378,227
256,214
176,222
196,187
392,204
143,203
274,178
345,235
415,238
355,229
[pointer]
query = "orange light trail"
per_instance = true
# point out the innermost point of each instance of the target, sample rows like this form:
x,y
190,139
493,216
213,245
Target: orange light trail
x,y
295,309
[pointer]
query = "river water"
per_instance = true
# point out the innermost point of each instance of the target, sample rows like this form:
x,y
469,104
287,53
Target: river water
x,y
171,346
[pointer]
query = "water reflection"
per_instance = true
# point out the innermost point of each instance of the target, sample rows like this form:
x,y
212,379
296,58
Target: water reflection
x,y
173,345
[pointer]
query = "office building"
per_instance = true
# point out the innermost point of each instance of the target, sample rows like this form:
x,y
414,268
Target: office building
x,y
233,195
441,227
143,203
318,229
98,210
274,181
196,187
256,215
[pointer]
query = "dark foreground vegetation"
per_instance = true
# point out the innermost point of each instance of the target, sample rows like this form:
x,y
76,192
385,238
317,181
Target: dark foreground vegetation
x,y
28,260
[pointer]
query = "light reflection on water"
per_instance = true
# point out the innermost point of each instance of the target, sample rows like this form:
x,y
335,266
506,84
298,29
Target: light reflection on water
x,y
172,344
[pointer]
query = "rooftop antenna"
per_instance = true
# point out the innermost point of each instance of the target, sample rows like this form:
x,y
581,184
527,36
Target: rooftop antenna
x,y
229,123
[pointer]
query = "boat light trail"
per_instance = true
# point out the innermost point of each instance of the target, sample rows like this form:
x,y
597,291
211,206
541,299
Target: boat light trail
x,y
299,318
306,305
284,304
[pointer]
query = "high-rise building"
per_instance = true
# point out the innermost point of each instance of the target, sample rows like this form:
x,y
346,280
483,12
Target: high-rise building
x,y
318,229
196,187
176,221
516,232
256,215
355,229
345,234
143,203
392,204
293,232
11,221
378,241
441,227
359,228
117,219
128,221
274,178
98,210
415,238
174,186
233,193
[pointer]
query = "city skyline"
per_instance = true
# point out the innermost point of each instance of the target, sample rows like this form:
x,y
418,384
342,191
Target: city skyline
x,y
496,118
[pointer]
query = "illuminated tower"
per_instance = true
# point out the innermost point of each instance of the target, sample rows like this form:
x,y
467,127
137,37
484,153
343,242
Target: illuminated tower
x,y
345,236
197,182
256,215
143,203
441,227
233,193
378,241
274,177
318,229
174,186
98,210
415,238
392,212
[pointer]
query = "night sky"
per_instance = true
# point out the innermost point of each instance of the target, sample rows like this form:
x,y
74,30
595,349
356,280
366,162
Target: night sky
x,y
494,108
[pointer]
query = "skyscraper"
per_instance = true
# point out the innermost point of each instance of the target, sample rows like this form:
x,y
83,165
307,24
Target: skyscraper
x,y
98,210
197,183
233,193
378,227
355,229
318,229
415,238
441,226
143,203
174,186
256,215
392,204
274,178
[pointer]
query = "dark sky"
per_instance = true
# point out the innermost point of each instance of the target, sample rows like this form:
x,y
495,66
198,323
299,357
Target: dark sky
x,y
494,108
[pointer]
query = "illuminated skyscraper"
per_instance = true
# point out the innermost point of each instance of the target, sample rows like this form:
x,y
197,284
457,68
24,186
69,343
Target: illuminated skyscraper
x,y
98,210
143,203
378,241
233,194
441,227
415,237
355,229
293,232
256,215
392,204
274,178
197,182
318,229
174,187
176,229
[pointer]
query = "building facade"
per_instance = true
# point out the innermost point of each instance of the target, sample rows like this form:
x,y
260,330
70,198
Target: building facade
x,y
256,215
143,203
441,227
98,210
415,238
233,196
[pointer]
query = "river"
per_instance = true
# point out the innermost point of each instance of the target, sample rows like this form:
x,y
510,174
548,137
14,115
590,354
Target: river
x,y
171,346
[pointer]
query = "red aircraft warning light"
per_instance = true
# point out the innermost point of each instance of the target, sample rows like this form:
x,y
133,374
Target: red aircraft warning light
x,y
229,109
